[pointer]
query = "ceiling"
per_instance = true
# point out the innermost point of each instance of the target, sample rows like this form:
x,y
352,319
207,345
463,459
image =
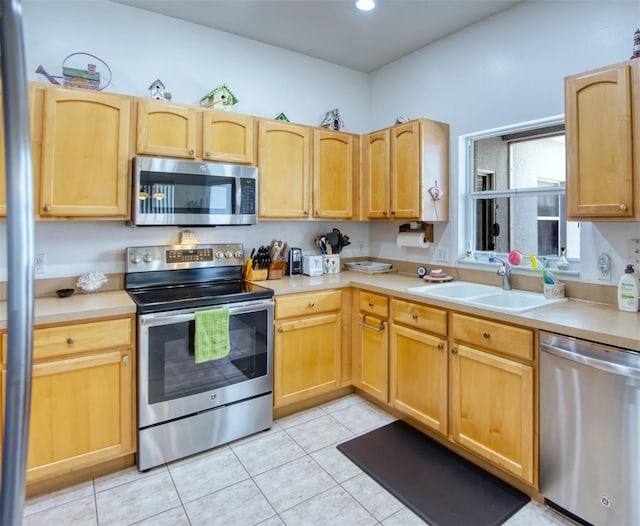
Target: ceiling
x,y
334,30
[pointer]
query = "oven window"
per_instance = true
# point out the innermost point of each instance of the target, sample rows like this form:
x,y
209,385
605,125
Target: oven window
x,y
164,193
173,372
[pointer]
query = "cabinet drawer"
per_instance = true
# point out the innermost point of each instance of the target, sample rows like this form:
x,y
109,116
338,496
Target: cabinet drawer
x,y
304,304
419,316
79,337
374,304
506,339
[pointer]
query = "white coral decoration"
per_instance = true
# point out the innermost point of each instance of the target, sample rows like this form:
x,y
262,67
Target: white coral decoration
x,y
91,281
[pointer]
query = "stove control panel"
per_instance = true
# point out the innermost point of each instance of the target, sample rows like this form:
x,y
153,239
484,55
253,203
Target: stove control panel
x,y
174,257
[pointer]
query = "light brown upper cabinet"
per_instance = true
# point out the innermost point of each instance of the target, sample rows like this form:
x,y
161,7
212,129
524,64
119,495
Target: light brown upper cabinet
x,y
284,170
85,154
406,172
177,130
335,174
603,143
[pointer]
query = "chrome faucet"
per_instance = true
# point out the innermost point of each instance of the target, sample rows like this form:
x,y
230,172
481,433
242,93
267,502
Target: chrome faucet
x,y
505,272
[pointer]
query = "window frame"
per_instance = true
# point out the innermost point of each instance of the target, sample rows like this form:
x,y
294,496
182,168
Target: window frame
x,y
523,130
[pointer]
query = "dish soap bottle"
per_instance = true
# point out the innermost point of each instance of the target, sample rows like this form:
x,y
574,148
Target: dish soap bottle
x,y
628,290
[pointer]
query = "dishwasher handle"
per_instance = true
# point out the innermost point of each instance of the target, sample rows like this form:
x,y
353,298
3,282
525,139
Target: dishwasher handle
x,y
603,365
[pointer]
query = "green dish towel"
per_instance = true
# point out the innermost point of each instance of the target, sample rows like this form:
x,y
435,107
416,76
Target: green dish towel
x,y
212,334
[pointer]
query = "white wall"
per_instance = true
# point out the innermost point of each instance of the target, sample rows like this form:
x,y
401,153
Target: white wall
x,y
506,69
191,60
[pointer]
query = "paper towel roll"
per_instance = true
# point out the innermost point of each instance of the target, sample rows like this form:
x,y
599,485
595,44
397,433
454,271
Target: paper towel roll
x,y
412,239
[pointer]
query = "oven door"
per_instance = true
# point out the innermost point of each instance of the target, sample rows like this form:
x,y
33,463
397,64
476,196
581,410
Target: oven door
x,y
171,385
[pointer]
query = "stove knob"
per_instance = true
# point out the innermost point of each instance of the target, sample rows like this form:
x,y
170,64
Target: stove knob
x,y
237,254
135,258
148,258
228,254
219,255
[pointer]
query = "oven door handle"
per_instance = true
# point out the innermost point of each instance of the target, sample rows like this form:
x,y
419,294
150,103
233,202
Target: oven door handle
x,y
169,318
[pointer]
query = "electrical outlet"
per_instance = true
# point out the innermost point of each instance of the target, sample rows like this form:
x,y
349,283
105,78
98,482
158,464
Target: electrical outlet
x,y
604,267
361,247
39,263
442,255
634,251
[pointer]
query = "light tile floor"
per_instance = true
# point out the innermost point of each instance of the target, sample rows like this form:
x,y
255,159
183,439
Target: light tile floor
x,y
290,475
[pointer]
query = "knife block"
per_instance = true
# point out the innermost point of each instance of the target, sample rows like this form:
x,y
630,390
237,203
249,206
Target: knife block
x,y
254,274
276,270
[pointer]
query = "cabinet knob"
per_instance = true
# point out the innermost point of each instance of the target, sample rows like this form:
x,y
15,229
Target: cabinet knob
x,y
207,154
279,329
441,346
70,340
623,207
125,359
371,304
393,212
414,317
486,335
305,212
317,212
312,304
47,208
384,212
191,151
454,351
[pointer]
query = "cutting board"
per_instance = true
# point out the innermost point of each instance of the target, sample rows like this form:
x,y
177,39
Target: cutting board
x,y
362,271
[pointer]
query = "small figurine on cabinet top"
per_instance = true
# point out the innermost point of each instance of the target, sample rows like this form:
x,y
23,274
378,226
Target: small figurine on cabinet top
x,y
282,117
220,98
636,44
157,91
332,120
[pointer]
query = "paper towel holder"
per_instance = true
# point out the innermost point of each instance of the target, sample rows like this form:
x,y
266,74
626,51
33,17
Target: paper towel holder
x,y
418,226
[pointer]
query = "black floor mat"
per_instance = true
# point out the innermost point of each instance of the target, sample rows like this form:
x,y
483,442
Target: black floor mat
x,y
441,487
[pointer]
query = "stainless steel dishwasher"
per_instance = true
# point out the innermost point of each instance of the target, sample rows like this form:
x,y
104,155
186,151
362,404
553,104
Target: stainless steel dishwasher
x,y
590,429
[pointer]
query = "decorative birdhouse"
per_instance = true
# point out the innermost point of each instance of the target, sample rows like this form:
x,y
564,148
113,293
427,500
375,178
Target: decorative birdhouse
x,y
332,120
220,98
157,91
282,117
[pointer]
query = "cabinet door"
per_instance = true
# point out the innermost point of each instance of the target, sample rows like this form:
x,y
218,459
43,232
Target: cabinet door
x,y
81,413
307,358
85,154
284,167
333,175
418,376
492,409
166,129
371,357
599,144
406,171
376,159
228,137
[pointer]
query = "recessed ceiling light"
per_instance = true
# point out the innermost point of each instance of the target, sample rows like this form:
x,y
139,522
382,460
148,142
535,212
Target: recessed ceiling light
x,y
365,5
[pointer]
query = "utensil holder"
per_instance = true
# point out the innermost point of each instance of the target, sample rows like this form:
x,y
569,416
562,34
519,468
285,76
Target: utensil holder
x,y
331,263
276,270
553,292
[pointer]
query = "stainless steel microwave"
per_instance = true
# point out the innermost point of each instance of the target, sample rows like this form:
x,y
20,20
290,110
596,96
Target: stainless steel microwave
x,y
193,193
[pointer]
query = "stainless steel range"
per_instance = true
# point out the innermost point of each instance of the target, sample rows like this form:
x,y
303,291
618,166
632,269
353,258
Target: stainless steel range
x,y
185,407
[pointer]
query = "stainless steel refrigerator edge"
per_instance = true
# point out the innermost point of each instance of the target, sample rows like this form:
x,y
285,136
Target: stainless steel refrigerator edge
x,y
20,227
590,429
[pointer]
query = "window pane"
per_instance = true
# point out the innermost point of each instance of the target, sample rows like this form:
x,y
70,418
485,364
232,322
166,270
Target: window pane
x,y
537,162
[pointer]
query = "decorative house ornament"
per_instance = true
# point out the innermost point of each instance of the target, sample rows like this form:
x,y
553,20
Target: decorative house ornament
x,y
282,117
636,44
332,120
157,91
220,98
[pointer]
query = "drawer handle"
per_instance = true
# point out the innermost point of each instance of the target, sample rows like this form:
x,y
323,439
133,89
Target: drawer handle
x,y
125,359
70,340
371,327
440,346
312,304
486,335
371,304
414,317
454,351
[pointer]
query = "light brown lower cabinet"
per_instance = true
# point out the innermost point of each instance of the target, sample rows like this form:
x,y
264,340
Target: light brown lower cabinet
x,y
307,346
82,396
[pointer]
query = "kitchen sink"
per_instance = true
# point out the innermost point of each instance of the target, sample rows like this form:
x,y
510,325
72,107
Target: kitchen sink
x,y
455,290
486,296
